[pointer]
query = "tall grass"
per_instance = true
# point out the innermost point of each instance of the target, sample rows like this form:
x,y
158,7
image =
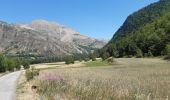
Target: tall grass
x,y
144,81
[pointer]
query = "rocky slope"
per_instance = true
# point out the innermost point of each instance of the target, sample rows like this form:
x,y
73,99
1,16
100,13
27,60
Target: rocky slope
x,y
44,38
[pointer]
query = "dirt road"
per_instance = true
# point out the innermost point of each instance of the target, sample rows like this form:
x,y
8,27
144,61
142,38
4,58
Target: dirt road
x,y
8,86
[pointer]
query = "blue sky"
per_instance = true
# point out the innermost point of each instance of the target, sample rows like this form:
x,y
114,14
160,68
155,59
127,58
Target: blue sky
x,y
95,18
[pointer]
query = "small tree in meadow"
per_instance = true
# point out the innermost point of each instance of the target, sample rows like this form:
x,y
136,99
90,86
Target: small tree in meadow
x,y
69,60
92,56
105,55
26,64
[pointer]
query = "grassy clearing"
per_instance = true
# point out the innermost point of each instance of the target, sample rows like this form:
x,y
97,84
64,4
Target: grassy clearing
x,y
133,79
97,63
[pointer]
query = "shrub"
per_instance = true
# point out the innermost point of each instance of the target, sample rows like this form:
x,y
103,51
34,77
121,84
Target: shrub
x,y
31,73
92,56
139,53
35,72
150,54
69,60
17,63
26,64
116,53
10,65
105,55
167,49
2,63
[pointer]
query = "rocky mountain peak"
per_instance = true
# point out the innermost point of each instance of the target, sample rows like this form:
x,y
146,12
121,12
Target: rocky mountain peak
x,y
43,37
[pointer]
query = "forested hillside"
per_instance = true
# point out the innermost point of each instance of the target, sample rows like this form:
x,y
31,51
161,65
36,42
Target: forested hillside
x,y
144,33
142,17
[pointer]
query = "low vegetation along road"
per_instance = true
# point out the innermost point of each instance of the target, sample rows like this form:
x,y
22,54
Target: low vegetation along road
x,y
8,86
125,79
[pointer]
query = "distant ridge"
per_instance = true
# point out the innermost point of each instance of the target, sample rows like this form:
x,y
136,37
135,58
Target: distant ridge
x,y
44,38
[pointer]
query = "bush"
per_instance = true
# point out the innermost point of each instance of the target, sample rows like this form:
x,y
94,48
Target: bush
x,y
17,63
167,49
26,64
86,59
105,55
31,73
92,56
116,53
69,60
10,65
150,54
139,53
2,63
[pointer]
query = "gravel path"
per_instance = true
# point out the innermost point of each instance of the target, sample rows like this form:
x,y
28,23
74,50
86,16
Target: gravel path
x,y
8,86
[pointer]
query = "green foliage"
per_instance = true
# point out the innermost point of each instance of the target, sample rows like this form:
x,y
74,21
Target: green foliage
x,y
150,54
26,64
105,55
167,49
9,63
139,53
28,75
144,33
142,17
42,59
31,73
92,56
69,60
96,63
2,63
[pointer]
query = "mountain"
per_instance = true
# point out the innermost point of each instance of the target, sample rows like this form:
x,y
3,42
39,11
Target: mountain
x,y
44,38
142,17
144,33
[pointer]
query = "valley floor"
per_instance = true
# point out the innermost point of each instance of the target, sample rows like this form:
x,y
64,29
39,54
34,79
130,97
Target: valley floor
x,y
129,79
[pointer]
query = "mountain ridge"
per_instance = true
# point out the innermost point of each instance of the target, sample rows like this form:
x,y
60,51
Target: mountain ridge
x,y
148,13
43,38
144,33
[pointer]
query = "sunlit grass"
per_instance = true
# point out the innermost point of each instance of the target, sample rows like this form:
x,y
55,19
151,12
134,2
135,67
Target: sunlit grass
x,y
134,79
97,63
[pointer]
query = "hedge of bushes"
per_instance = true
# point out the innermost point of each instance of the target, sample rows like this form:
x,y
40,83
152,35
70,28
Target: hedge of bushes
x,y
12,63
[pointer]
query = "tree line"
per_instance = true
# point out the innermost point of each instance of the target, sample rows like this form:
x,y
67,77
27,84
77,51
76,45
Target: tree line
x,y
153,39
12,63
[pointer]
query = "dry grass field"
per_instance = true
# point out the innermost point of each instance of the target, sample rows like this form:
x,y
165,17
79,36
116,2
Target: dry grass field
x,y
129,79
